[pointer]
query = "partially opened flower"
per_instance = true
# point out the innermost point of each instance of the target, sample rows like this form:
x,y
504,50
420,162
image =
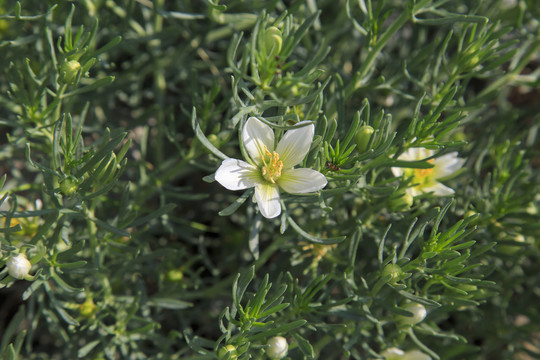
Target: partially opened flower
x,y
418,314
271,168
18,266
427,180
277,347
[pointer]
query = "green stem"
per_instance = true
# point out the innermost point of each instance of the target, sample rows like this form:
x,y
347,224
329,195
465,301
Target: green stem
x,y
159,81
58,97
92,231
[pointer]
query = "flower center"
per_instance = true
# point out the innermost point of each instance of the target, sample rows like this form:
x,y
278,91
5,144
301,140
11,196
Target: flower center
x,y
422,173
271,170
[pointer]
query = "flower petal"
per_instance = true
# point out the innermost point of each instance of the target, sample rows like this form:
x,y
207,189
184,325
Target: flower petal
x,y
448,164
236,174
414,154
267,196
413,191
256,135
397,171
438,189
294,145
298,181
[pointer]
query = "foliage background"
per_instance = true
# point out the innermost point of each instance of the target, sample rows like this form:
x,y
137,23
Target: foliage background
x,y
131,259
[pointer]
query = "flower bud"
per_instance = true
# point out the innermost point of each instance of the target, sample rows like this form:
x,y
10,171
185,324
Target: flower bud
x,y
227,352
88,308
18,266
362,137
69,72
419,313
4,25
394,271
68,186
471,57
470,213
214,140
531,209
277,348
175,275
273,41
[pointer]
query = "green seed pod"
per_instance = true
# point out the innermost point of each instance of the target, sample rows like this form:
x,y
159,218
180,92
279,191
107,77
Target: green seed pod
x,y
227,352
68,186
394,271
214,140
175,275
362,137
69,71
273,40
88,308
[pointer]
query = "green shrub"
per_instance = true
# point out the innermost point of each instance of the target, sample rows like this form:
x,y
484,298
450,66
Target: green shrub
x,y
389,172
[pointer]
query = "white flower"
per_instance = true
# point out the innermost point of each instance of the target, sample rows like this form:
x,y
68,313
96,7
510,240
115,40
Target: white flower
x,y
271,168
426,180
18,266
278,347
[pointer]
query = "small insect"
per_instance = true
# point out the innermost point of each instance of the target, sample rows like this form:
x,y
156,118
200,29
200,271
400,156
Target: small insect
x,y
332,166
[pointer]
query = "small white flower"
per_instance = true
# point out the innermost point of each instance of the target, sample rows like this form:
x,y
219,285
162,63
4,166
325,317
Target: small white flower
x,y
426,180
278,347
271,168
18,266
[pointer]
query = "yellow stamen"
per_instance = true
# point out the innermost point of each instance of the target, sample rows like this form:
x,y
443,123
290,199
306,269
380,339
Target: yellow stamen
x,y
272,167
421,173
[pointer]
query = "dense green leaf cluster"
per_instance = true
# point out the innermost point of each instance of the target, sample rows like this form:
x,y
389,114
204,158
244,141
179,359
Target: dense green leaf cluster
x,y
115,115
